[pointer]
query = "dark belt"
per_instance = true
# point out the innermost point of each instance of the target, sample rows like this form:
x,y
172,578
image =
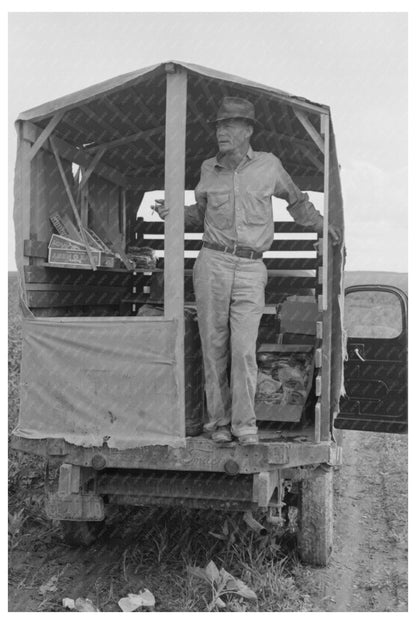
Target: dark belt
x,y
241,252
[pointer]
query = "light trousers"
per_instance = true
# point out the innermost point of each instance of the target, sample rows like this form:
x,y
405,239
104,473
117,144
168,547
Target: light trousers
x,y
229,293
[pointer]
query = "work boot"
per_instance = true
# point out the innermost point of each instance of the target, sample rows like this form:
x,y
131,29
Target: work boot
x,y
222,434
249,439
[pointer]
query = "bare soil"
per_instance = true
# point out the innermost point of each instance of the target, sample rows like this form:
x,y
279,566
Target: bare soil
x,y
368,570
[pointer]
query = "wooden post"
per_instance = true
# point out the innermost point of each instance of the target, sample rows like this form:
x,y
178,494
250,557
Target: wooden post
x,y
325,132
326,298
24,171
176,86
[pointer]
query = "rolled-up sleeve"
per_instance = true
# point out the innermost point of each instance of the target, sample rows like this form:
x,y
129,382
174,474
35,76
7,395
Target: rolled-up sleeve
x,y
300,207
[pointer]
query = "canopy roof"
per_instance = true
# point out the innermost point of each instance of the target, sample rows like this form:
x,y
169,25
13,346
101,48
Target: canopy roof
x,y
126,115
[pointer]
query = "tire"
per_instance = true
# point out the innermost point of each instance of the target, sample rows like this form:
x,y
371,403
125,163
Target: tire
x,y
316,517
81,533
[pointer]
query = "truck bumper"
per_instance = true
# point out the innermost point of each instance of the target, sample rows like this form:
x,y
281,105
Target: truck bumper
x,y
199,454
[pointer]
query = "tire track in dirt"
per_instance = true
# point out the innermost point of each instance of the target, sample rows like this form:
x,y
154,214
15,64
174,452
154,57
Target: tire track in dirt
x,y
368,568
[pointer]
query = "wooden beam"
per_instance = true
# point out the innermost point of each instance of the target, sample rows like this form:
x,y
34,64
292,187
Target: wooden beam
x,y
142,134
314,134
175,137
73,205
91,167
44,135
73,154
311,156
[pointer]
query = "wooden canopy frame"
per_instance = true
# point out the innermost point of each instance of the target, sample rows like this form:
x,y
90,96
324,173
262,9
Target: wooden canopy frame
x,y
100,130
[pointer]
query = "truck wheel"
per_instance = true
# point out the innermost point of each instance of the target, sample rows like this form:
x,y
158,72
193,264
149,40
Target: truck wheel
x,y
316,517
81,533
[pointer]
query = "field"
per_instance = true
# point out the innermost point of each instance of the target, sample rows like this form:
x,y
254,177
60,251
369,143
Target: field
x,y
160,549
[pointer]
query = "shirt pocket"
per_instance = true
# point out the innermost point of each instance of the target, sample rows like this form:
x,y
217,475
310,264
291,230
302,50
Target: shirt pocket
x,y
257,208
219,210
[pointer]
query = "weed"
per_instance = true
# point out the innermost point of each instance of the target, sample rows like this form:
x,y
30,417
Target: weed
x,y
16,522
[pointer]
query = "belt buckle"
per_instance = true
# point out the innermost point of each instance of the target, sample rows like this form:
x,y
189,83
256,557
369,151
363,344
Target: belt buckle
x,y
234,251
251,255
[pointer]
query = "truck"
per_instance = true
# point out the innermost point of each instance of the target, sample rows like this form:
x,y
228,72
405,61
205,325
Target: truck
x,y
112,382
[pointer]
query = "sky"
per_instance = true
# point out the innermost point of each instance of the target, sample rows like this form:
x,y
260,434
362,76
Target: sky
x,y
354,62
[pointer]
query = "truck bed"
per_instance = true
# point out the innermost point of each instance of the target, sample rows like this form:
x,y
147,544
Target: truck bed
x,y
285,447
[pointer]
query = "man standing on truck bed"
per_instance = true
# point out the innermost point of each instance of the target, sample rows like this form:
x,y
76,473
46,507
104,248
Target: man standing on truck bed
x,y
234,207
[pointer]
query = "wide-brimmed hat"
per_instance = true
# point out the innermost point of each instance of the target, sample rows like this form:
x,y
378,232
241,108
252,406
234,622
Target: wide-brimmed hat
x,y
236,108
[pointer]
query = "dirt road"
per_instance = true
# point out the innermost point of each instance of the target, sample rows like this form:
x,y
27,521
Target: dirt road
x,y
368,571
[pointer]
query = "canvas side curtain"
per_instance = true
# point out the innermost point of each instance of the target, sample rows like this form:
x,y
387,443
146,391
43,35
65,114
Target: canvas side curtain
x,y
98,381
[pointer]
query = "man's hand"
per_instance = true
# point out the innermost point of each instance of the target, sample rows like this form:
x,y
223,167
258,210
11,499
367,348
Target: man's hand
x,y
334,234
160,207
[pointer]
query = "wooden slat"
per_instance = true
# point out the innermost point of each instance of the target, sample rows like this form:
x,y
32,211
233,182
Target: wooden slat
x,y
85,311
53,275
290,264
278,264
74,288
277,245
281,227
318,415
83,297
277,285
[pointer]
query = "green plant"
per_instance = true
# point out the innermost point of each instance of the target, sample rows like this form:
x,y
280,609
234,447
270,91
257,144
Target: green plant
x,y
222,584
16,522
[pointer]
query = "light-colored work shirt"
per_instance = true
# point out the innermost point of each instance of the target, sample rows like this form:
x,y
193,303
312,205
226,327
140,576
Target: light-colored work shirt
x,y
235,206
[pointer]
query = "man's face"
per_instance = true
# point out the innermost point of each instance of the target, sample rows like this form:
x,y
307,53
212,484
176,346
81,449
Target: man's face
x,y
233,135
